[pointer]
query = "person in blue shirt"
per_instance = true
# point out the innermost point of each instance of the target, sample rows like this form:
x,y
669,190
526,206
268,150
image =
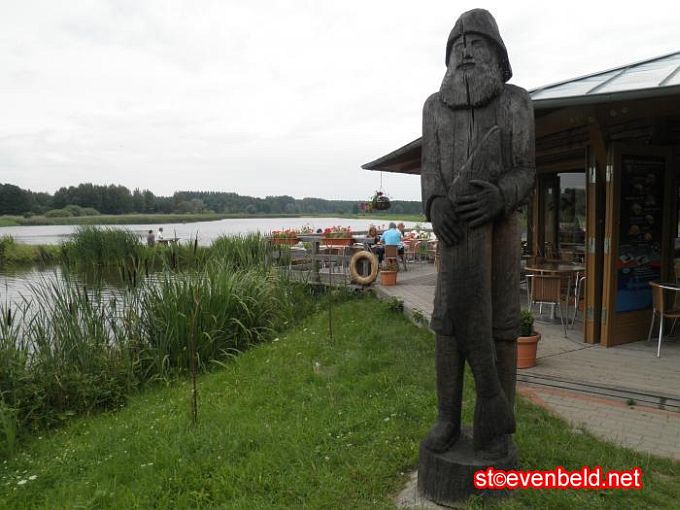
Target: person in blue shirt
x,y
392,236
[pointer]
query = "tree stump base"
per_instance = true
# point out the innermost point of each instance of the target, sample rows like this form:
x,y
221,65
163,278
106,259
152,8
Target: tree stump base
x,y
447,478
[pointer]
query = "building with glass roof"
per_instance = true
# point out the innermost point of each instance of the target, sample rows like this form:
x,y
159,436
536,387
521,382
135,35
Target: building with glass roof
x,y
607,188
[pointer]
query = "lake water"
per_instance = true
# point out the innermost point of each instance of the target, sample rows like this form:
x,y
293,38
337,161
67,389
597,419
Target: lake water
x,y
206,231
17,282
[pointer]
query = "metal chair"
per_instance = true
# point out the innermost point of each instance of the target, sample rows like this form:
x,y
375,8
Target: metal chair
x,y
546,290
411,249
578,294
659,306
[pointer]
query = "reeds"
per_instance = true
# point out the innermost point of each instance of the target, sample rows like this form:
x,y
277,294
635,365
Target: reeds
x,y
234,309
102,248
71,349
118,255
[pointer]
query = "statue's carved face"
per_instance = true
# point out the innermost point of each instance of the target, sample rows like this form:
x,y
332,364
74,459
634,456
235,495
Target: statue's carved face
x,y
472,50
473,76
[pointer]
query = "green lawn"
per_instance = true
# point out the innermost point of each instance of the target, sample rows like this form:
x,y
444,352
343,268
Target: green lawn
x,y
304,421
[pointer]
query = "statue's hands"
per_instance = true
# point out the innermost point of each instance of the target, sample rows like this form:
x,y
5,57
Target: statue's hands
x,y
445,221
482,206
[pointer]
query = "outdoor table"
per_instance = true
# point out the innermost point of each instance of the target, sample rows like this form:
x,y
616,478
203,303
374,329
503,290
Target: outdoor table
x,y
555,268
670,285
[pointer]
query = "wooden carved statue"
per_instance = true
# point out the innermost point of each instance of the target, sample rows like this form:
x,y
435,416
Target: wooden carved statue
x,y
477,168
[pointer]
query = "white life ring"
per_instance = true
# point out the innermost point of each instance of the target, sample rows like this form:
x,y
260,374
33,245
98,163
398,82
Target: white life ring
x,y
354,263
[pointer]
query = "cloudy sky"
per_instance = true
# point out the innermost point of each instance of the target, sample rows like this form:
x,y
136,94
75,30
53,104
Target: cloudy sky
x,y
265,97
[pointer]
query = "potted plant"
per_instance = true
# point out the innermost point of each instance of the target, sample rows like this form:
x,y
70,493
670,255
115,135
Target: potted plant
x,y
527,341
288,236
337,236
388,273
379,202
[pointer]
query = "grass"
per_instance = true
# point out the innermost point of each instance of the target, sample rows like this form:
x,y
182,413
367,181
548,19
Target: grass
x,y
18,254
302,421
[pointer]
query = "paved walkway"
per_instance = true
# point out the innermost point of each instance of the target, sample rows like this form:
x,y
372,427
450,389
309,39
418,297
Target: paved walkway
x,y
641,428
624,394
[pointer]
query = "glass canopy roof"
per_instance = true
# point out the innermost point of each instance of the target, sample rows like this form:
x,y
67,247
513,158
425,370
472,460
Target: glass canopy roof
x,y
659,72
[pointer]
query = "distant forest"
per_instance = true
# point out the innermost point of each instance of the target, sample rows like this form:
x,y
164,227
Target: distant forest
x,y
92,199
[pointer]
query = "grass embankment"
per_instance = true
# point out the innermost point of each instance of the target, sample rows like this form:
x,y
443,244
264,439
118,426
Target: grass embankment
x,y
303,421
17,254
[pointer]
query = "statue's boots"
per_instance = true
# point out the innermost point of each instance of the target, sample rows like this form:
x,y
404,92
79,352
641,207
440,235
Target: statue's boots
x,y
494,416
450,364
494,421
506,365
442,436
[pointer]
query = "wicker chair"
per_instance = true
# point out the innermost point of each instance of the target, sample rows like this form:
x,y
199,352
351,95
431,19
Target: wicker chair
x,y
542,290
392,255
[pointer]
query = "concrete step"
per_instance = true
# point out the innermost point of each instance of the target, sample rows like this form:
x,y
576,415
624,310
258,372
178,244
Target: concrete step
x,y
665,402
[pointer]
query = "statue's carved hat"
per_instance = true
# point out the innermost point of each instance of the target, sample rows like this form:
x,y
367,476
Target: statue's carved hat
x,y
480,21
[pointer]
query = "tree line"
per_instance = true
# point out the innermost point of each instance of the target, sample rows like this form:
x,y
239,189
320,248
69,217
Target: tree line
x,y
91,199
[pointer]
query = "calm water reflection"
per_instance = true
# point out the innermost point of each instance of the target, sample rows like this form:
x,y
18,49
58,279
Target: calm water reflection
x,y
15,283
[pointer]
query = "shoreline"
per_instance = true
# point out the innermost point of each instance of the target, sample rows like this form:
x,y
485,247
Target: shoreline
x,y
140,219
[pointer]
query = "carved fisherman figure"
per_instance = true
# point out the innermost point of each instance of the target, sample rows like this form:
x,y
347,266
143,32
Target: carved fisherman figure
x,y
477,167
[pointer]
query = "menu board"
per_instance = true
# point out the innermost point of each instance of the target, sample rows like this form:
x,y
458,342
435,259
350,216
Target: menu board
x,y
640,229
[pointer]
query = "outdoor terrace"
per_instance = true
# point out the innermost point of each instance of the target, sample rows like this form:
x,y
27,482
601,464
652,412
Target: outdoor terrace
x,y
624,394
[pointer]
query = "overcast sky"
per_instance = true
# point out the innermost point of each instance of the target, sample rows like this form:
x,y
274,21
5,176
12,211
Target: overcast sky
x,y
265,97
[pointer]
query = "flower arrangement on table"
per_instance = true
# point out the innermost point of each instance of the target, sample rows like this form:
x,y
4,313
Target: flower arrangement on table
x,y
417,235
305,229
338,235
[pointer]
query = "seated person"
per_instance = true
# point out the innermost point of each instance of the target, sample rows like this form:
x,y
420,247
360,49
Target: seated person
x,y
372,235
372,240
391,237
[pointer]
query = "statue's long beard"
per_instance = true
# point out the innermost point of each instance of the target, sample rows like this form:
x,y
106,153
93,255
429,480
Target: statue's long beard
x,y
471,87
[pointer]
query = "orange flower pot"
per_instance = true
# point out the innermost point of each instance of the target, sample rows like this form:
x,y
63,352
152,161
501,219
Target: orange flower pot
x,y
284,240
526,350
338,241
388,278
